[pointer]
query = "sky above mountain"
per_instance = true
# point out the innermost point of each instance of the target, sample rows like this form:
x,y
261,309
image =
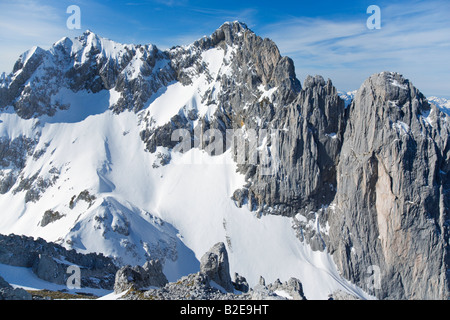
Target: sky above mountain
x,y
330,38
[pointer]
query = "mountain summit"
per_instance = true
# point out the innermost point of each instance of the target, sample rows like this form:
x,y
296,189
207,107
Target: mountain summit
x,y
144,154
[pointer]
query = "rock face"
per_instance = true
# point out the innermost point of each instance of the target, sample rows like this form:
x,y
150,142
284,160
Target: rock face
x,y
7,292
392,203
293,287
214,264
50,261
13,155
307,152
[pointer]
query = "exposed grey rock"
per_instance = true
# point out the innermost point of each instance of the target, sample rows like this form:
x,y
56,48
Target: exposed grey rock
x,y
154,270
392,203
49,217
162,159
262,281
50,261
197,286
192,287
13,155
341,295
128,277
34,186
240,283
7,292
307,151
82,196
260,292
214,264
137,277
46,268
293,287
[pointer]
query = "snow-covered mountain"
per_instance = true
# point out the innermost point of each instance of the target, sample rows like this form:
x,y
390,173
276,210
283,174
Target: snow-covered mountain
x,y
88,158
347,96
442,103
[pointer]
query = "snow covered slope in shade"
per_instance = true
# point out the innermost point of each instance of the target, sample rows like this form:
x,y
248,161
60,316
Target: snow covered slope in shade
x,y
82,105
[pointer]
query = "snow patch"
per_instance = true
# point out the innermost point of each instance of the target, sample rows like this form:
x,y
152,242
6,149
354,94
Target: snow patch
x,y
214,60
266,94
395,83
401,127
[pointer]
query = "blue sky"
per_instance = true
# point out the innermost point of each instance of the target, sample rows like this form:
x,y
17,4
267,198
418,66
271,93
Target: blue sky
x,y
329,38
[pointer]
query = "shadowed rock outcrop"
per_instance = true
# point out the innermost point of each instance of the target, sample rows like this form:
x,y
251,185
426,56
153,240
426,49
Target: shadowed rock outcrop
x,y
50,261
7,292
149,275
214,264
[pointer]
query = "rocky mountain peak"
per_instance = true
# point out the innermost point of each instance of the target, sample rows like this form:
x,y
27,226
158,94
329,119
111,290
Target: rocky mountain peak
x,y
89,32
311,81
390,87
393,166
33,56
230,32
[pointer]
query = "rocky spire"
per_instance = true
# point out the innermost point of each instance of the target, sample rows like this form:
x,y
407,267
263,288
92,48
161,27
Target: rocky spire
x,y
392,179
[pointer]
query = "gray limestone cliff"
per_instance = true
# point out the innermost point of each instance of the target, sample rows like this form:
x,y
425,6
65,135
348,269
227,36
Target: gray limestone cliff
x,y
392,203
214,264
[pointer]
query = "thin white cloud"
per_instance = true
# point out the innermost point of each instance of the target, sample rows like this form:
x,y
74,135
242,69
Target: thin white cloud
x,y
212,19
413,40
